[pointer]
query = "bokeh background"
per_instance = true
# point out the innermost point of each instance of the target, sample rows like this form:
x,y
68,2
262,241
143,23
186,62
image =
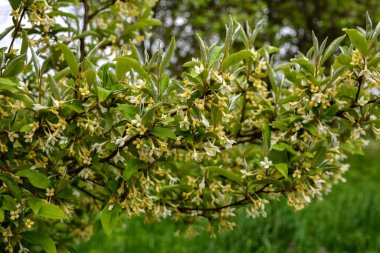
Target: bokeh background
x,y
347,220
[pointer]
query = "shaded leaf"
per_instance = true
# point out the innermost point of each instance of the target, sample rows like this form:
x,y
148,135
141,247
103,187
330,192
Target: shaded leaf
x,y
37,238
36,178
235,58
70,59
282,168
163,133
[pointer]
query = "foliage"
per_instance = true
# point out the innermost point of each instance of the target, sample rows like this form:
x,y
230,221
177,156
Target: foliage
x,y
79,134
346,220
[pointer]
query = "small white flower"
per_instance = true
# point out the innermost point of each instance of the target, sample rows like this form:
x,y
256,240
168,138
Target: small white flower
x,y
12,136
266,163
211,149
118,158
199,69
362,101
120,142
49,192
298,126
184,123
307,117
15,214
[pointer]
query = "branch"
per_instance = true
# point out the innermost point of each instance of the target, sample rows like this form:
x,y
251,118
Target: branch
x,y
82,46
17,28
101,9
360,81
213,209
88,193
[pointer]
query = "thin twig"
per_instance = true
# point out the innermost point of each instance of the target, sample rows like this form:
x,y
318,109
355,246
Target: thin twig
x,y
101,9
17,28
82,46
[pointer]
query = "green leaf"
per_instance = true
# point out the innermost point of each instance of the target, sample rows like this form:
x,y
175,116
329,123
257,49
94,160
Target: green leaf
x,y
166,58
36,62
134,52
35,204
15,66
6,31
103,93
149,114
130,111
1,215
216,55
11,185
74,105
8,202
266,133
36,178
284,146
109,217
37,238
133,165
332,48
61,74
140,25
70,59
304,64
134,64
94,51
8,85
267,49
163,133
51,211
164,83
319,156
374,35
202,47
312,129
273,80
331,112
24,43
282,168
14,4
236,58
225,173
374,61
54,88
357,39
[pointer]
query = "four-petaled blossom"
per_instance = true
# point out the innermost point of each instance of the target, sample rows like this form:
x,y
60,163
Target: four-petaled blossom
x,y
266,163
49,192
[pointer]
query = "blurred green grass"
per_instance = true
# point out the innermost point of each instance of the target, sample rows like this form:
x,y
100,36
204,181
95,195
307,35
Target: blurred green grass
x,y
347,220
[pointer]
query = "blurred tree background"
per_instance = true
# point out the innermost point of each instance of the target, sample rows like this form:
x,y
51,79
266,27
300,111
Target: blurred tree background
x,y
288,23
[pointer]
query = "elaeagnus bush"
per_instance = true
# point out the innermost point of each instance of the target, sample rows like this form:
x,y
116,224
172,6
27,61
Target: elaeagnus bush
x,y
92,126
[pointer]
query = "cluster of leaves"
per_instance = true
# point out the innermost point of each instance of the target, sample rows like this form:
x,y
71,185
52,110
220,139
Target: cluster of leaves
x,y
79,135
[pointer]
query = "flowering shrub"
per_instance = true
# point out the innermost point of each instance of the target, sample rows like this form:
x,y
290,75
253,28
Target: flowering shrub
x,y
80,133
